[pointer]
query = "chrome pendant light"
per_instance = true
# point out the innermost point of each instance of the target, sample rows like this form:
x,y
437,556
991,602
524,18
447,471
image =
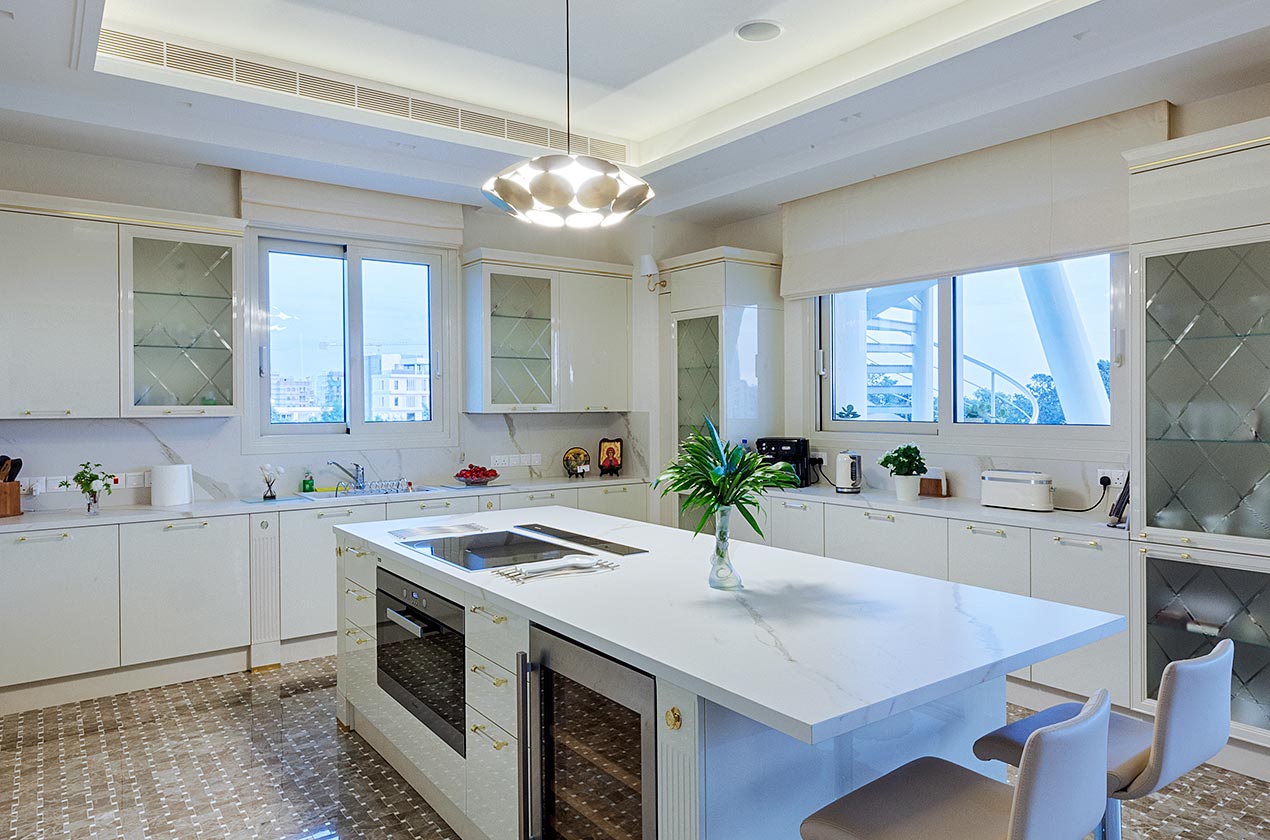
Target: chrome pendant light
x,y
567,190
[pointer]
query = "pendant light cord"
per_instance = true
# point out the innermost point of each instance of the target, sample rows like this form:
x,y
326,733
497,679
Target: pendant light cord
x,y
568,86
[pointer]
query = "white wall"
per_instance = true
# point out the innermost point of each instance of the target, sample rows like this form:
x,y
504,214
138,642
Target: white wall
x,y
761,233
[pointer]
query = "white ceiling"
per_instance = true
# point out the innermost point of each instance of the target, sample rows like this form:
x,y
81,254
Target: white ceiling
x,y
965,78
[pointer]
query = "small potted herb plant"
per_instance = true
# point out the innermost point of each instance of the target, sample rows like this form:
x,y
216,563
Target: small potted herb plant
x,y
907,466
92,481
716,476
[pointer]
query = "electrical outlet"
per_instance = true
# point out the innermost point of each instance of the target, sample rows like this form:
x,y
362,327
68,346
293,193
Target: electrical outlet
x,y
535,460
33,486
134,479
1118,477
824,459
147,478
518,460
500,461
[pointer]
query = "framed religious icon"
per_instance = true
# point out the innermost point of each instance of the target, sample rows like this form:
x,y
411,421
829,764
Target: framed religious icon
x,y
576,462
610,456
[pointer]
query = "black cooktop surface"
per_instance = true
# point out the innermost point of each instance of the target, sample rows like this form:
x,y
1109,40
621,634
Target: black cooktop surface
x,y
492,550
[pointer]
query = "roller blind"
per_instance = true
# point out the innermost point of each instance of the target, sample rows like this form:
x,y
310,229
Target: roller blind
x,y
1051,195
309,205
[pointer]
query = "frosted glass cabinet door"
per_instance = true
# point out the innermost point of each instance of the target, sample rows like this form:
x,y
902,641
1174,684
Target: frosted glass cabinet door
x,y
697,372
179,322
1207,374
60,285
522,340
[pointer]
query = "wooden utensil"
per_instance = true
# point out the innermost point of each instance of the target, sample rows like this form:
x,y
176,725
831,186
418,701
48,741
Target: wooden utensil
x,y
5,466
15,467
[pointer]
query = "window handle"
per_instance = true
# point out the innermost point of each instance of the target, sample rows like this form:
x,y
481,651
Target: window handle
x,y
260,361
820,362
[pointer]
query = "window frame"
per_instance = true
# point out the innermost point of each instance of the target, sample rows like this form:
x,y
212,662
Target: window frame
x,y
355,433
1112,437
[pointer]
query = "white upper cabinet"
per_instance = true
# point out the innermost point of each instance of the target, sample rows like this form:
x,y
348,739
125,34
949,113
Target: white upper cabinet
x,y
59,282
545,334
179,292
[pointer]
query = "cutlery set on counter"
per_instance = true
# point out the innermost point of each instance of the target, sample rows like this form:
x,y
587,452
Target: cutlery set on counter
x,y
577,564
10,489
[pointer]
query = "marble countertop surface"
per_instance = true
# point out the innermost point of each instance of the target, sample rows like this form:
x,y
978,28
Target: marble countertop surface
x,y
812,647
1093,523
47,520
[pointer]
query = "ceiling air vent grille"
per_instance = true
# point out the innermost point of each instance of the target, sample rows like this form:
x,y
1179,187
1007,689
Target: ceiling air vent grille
x,y
328,90
118,44
484,123
124,45
200,61
434,112
266,76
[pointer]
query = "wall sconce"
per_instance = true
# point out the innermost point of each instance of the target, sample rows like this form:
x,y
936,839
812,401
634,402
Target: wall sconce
x,y
648,270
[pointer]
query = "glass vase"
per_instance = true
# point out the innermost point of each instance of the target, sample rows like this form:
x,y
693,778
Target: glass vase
x,y
722,575
92,504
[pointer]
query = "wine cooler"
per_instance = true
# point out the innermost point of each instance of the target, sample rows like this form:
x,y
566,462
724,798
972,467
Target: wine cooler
x,y
588,752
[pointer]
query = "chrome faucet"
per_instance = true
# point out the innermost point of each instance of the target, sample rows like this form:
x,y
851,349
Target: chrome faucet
x,y
358,473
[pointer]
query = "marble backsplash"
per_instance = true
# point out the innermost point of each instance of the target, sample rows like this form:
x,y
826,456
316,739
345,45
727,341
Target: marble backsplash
x,y
221,471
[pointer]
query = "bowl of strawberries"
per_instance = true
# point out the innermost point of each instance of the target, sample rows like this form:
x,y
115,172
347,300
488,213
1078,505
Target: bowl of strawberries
x,y
475,476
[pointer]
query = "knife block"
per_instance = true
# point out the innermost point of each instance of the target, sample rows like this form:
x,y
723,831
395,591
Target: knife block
x,y
10,498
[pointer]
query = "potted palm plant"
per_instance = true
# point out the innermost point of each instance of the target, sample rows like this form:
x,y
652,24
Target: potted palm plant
x,y
718,477
907,466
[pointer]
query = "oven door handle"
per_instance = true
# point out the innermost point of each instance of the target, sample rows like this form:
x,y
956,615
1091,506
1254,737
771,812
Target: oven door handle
x,y
404,623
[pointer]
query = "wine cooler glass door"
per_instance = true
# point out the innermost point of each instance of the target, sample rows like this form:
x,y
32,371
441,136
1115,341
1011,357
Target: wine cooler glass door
x,y
592,753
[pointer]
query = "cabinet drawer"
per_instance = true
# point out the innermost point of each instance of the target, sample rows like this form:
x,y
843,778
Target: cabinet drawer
x,y
307,565
495,633
183,588
491,777
1093,573
798,525
539,498
991,556
629,501
359,606
903,542
60,611
359,566
355,665
491,690
433,507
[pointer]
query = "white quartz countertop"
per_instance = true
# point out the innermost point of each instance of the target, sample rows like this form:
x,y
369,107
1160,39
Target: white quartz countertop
x,y
812,647
51,520
1093,523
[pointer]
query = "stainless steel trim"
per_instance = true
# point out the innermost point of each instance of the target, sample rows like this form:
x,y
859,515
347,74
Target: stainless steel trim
x,y
877,517
403,622
523,669
1016,480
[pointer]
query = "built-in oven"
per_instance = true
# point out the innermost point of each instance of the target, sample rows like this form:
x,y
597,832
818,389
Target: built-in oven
x,y
419,655
587,744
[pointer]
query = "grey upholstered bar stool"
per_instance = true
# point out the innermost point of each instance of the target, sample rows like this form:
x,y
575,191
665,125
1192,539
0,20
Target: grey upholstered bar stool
x,y
1059,795
1192,724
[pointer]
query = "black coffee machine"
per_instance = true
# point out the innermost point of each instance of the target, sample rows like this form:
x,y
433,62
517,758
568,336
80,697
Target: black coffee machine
x,y
796,451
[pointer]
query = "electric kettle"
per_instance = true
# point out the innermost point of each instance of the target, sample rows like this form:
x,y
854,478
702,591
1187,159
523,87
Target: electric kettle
x,y
848,472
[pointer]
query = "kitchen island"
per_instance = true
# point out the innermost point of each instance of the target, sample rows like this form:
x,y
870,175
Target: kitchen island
x,y
765,703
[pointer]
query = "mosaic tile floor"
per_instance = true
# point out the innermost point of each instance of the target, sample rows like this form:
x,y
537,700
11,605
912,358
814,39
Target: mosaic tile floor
x,y
245,756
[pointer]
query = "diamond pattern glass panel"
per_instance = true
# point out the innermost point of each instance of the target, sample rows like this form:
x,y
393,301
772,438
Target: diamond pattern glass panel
x,y
1208,382
520,340
697,373
183,323
1191,606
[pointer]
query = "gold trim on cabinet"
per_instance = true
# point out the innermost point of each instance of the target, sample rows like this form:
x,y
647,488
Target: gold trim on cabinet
x,y
539,267
123,220
1216,150
674,718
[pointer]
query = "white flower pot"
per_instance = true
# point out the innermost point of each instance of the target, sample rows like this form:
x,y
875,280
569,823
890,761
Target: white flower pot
x,y
907,487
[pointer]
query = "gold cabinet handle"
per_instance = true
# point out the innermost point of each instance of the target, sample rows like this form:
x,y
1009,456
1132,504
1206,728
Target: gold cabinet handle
x,y
674,718
482,611
494,742
608,490
425,505
498,682
323,514
1142,535
975,529
175,411
361,640
1185,556
489,505
794,505
532,497
45,537
356,594
597,408
868,514
174,527
1066,540
64,412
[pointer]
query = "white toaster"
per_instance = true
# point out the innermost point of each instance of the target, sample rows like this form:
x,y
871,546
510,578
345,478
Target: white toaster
x,y
1018,489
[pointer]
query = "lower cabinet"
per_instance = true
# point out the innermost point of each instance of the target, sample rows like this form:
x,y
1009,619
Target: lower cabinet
x,y
491,777
538,498
629,501
432,507
60,610
307,568
1091,573
798,526
991,556
183,588
742,530
902,542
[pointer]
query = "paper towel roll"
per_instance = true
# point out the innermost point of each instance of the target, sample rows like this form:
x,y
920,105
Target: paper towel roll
x,y
171,485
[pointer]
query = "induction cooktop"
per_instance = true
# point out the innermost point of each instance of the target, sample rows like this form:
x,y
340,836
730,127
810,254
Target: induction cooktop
x,y
492,550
